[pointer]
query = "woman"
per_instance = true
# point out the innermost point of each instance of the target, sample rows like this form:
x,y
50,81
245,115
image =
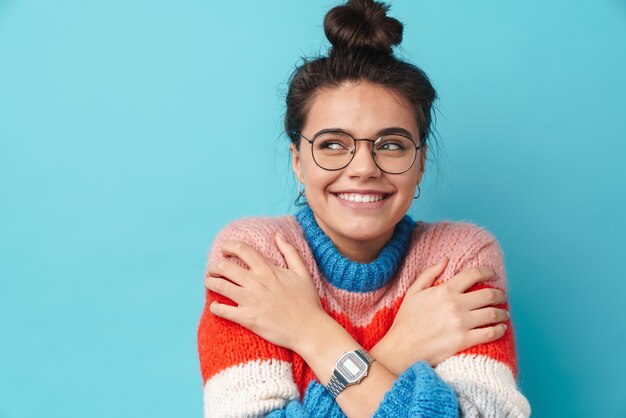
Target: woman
x,y
350,308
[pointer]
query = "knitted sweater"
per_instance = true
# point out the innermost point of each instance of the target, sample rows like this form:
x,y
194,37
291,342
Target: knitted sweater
x,y
246,376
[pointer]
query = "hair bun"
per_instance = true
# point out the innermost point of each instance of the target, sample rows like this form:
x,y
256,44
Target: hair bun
x,y
362,24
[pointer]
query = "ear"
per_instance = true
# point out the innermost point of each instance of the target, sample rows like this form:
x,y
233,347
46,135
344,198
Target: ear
x,y
422,163
295,163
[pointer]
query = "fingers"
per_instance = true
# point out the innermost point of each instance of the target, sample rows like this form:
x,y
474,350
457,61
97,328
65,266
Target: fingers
x,y
292,257
483,297
486,316
429,275
485,335
245,253
462,281
224,268
232,313
224,288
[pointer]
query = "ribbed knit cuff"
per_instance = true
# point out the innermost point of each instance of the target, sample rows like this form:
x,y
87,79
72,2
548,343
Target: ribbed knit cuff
x,y
317,403
419,391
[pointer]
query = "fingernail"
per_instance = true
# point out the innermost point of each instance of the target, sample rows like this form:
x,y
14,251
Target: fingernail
x,y
443,260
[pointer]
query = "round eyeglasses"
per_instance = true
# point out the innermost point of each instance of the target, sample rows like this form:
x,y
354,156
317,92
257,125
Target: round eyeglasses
x,y
334,150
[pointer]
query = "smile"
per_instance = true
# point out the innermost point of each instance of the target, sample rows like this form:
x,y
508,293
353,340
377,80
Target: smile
x,y
361,198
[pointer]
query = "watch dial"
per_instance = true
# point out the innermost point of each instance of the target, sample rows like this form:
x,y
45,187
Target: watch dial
x,y
352,367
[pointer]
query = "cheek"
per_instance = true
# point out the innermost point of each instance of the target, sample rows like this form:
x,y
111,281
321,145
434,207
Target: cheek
x,y
318,181
316,178
407,181
410,183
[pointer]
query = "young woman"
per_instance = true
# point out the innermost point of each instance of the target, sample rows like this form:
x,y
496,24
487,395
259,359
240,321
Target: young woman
x,y
351,308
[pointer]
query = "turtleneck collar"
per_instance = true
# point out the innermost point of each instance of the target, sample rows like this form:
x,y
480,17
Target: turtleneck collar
x,y
350,275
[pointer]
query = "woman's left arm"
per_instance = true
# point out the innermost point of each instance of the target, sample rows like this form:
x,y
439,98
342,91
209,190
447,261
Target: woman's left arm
x,y
481,367
485,376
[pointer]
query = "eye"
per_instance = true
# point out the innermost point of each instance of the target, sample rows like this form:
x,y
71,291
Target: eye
x,y
332,145
390,145
394,144
333,142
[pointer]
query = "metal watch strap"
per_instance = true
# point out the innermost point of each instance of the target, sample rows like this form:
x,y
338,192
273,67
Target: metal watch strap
x,y
365,356
337,383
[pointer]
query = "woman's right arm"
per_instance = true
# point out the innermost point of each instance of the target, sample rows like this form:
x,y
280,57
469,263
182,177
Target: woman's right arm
x,y
243,374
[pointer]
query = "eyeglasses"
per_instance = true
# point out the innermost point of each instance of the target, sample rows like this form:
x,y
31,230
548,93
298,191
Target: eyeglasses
x,y
334,150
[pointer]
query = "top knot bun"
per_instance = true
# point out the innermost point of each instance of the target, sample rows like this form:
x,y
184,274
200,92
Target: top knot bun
x,y
362,24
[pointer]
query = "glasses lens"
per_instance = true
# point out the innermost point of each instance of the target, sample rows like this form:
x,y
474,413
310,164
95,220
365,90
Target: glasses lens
x,y
394,153
333,150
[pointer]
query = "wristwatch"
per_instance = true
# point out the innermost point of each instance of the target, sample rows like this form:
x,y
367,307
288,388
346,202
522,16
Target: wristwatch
x,y
350,369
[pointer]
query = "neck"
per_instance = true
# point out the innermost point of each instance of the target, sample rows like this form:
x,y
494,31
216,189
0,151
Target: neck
x,y
357,266
341,269
362,251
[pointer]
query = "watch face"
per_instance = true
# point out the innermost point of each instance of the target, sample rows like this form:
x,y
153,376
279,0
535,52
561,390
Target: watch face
x,y
352,367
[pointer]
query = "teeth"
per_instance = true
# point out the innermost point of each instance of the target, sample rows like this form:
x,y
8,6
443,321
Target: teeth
x,y
365,198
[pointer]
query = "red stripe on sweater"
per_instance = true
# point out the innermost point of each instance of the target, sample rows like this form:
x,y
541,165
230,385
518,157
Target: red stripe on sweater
x,y
502,350
216,335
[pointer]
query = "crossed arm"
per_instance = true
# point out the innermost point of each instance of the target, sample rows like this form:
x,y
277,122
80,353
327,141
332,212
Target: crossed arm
x,y
248,369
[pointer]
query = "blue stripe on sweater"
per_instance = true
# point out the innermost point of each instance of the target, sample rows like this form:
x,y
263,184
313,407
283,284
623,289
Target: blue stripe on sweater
x,y
418,392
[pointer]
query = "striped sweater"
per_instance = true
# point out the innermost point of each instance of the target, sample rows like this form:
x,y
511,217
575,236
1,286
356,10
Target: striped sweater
x,y
246,376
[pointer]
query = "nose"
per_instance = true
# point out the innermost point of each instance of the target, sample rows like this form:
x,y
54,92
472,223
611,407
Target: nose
x,y
363,164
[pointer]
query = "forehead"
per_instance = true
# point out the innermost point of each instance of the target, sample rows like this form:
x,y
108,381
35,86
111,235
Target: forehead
x,y
360,107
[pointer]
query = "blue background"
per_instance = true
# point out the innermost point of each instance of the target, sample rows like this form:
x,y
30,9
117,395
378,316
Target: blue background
x,y
132,131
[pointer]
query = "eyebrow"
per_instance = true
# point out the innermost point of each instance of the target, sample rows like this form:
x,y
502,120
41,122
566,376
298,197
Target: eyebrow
x,y
386,131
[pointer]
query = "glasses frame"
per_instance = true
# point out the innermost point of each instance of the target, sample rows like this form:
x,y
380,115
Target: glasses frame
x,y
353,151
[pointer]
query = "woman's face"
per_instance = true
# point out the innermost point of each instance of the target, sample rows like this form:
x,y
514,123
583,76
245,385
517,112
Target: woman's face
x,y
359,230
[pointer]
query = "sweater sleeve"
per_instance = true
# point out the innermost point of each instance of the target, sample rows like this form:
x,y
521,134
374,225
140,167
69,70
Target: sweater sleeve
x,y
485,376
244,375
247,376
418,392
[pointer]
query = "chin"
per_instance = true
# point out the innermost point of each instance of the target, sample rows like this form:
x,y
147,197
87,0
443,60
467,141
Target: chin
x,y
363,229
355,224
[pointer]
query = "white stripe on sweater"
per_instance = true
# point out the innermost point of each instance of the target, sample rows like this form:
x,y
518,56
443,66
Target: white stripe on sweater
x,y
249,390
485,387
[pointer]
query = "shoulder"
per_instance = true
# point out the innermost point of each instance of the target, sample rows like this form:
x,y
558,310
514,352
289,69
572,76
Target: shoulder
x,y
259,232
458,238
465,243
258,227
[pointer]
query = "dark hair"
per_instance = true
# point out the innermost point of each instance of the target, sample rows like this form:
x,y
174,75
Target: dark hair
x,y
362,37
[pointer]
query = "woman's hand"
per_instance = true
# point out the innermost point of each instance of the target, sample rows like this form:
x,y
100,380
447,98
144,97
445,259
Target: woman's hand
x,y
272,302
434,323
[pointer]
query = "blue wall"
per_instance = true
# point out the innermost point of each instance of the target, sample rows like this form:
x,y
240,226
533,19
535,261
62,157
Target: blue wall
x,y
132,131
